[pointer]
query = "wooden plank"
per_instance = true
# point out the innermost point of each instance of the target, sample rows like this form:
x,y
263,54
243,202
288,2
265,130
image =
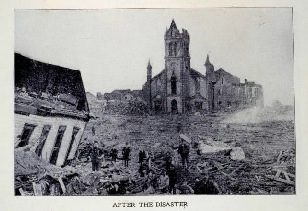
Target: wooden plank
x,y
286,176
237,169
281,180
37,188
62,185
291,175
279,156
217,165
22,192
278,173
185,138
227,175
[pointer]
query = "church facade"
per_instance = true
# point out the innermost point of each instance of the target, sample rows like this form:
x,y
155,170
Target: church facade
x,y
180,89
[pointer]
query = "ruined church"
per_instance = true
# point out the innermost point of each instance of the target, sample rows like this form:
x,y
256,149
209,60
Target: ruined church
x,y
180,89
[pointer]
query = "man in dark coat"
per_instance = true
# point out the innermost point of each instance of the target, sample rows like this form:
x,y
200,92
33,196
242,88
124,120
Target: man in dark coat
x,y
168,161
114,155
142,156
211,187
206,186
183,150
200,187
96,155
173,179
125,153
143,169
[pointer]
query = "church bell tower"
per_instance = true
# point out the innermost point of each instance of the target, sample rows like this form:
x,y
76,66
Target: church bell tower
x,y
177,66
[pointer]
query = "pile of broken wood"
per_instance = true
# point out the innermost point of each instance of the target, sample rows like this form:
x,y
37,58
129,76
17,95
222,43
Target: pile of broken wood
x,y
273,176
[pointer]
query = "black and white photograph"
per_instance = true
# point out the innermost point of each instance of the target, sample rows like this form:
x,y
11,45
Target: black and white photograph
x,y
125,102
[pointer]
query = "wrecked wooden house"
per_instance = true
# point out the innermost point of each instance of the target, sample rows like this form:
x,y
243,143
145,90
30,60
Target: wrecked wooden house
x,y
51,109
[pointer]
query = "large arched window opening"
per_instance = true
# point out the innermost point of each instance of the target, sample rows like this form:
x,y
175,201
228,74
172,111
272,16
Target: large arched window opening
x,y
158,104
173,85
175,47
174,106
170,49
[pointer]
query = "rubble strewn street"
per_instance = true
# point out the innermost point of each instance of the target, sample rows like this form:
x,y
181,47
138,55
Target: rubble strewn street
x,y
252,157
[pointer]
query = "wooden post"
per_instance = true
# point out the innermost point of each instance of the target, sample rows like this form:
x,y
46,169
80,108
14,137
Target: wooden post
x,y
37,188
62,185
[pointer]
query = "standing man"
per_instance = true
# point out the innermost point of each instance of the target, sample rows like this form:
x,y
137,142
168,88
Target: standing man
x,y
211,187
173,179
143,156
93,130
183,150
168,161
114,155
96,155
179,127
125,153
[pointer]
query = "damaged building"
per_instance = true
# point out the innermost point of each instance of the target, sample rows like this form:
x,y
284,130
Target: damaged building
x,y
121,95
179,89
51,109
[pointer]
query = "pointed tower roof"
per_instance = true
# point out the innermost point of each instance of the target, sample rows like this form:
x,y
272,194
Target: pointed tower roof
x,y
172,31
149,65
207,62
173,24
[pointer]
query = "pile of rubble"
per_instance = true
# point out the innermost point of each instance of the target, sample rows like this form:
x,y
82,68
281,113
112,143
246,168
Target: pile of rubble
x,y
251,158
34,176
133,107
235,174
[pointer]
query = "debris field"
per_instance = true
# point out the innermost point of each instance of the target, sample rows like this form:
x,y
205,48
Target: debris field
x,y
243,158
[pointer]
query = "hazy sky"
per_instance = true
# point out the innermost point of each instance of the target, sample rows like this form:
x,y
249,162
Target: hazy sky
x,y
111,47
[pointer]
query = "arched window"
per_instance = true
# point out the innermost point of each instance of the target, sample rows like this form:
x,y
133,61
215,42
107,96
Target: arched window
x,y
174,106
175,49
170,49
173,85
158,103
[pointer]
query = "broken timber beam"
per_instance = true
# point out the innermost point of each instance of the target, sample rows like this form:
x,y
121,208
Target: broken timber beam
x,y
37,188
237,169
62,184
22,192
287,176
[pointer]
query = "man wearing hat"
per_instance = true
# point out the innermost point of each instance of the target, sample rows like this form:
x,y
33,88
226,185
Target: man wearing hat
x,y
183,150
96,155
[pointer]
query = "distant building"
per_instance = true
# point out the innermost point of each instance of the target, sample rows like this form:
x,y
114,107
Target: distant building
x,y
122,95
99,96
179,89
51,109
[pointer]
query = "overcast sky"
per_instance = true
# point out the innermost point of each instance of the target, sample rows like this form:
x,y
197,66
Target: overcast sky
x,y
111,47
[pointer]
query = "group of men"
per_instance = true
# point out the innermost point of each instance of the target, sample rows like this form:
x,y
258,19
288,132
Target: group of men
x,y
97,155
168,180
